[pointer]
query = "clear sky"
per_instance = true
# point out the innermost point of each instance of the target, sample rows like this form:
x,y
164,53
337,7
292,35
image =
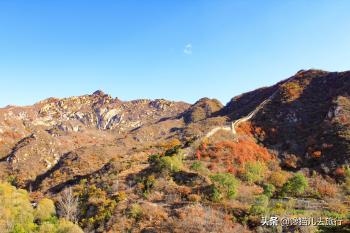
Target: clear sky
x,y
173,49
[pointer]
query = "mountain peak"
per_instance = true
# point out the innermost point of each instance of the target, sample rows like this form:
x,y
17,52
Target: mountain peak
x,y
99,92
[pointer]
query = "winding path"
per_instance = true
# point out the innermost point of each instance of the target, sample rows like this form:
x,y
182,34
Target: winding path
x,y
234,124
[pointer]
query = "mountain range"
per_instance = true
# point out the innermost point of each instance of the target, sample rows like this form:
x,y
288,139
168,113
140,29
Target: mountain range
x,y
302,123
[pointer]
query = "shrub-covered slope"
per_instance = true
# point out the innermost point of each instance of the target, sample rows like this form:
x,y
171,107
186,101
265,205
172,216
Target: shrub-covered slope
x,y
306,121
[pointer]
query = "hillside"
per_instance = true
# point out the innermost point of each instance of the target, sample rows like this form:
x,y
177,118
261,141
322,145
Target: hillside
x,y
165,166
306,120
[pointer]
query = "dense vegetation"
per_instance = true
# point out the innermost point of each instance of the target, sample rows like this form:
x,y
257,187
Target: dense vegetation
x,y
17,214
173,193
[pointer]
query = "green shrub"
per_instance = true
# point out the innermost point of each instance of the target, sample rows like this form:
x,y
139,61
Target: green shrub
x,y
13,180
347,171
168,163
347,179
17,214
347,185
65,226
260,205
295,185
60,226
254,172
146,184
135,211
199,167
173,163
269,190
173,151
153,159
47,228
95,206
224,186
216,194
45,210
16,211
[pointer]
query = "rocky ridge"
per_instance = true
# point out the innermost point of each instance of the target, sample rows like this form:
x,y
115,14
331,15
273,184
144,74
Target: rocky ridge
x,y
305,120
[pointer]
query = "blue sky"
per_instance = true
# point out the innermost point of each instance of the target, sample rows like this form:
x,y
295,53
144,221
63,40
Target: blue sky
x,y
178,50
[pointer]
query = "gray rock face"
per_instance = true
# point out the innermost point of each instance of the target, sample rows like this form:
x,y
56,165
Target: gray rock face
x,y
107,118
98,110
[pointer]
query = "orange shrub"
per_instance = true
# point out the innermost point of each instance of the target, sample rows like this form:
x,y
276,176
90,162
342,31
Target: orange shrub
x,y
198,154
169,144
260,133
278,178
338,207
273,130
343,119
340,171
326,189
153,212
12,135
234,155
323,187
231,169
243,151
291,91
291,161
194,198
172,143
316,154
245,128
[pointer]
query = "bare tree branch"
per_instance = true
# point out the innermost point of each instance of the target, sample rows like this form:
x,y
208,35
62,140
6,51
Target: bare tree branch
x,y
68,205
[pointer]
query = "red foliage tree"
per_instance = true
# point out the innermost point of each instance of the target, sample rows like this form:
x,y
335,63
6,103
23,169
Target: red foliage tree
x,y
235,154
198,154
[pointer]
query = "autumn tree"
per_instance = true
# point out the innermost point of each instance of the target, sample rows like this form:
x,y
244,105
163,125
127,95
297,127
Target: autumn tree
x,y
45,209
295,185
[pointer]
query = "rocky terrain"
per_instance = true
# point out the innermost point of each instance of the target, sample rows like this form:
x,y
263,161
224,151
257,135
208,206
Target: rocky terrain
x,y
38,136
146,155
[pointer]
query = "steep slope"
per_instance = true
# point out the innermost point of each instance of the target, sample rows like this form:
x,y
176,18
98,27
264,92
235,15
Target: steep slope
x,y
305,120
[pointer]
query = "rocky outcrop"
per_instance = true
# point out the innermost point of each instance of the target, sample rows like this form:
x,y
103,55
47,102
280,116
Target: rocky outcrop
x,y
33,138
98,110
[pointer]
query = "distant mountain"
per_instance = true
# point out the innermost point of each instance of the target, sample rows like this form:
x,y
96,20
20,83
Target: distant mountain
x,y
34,138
